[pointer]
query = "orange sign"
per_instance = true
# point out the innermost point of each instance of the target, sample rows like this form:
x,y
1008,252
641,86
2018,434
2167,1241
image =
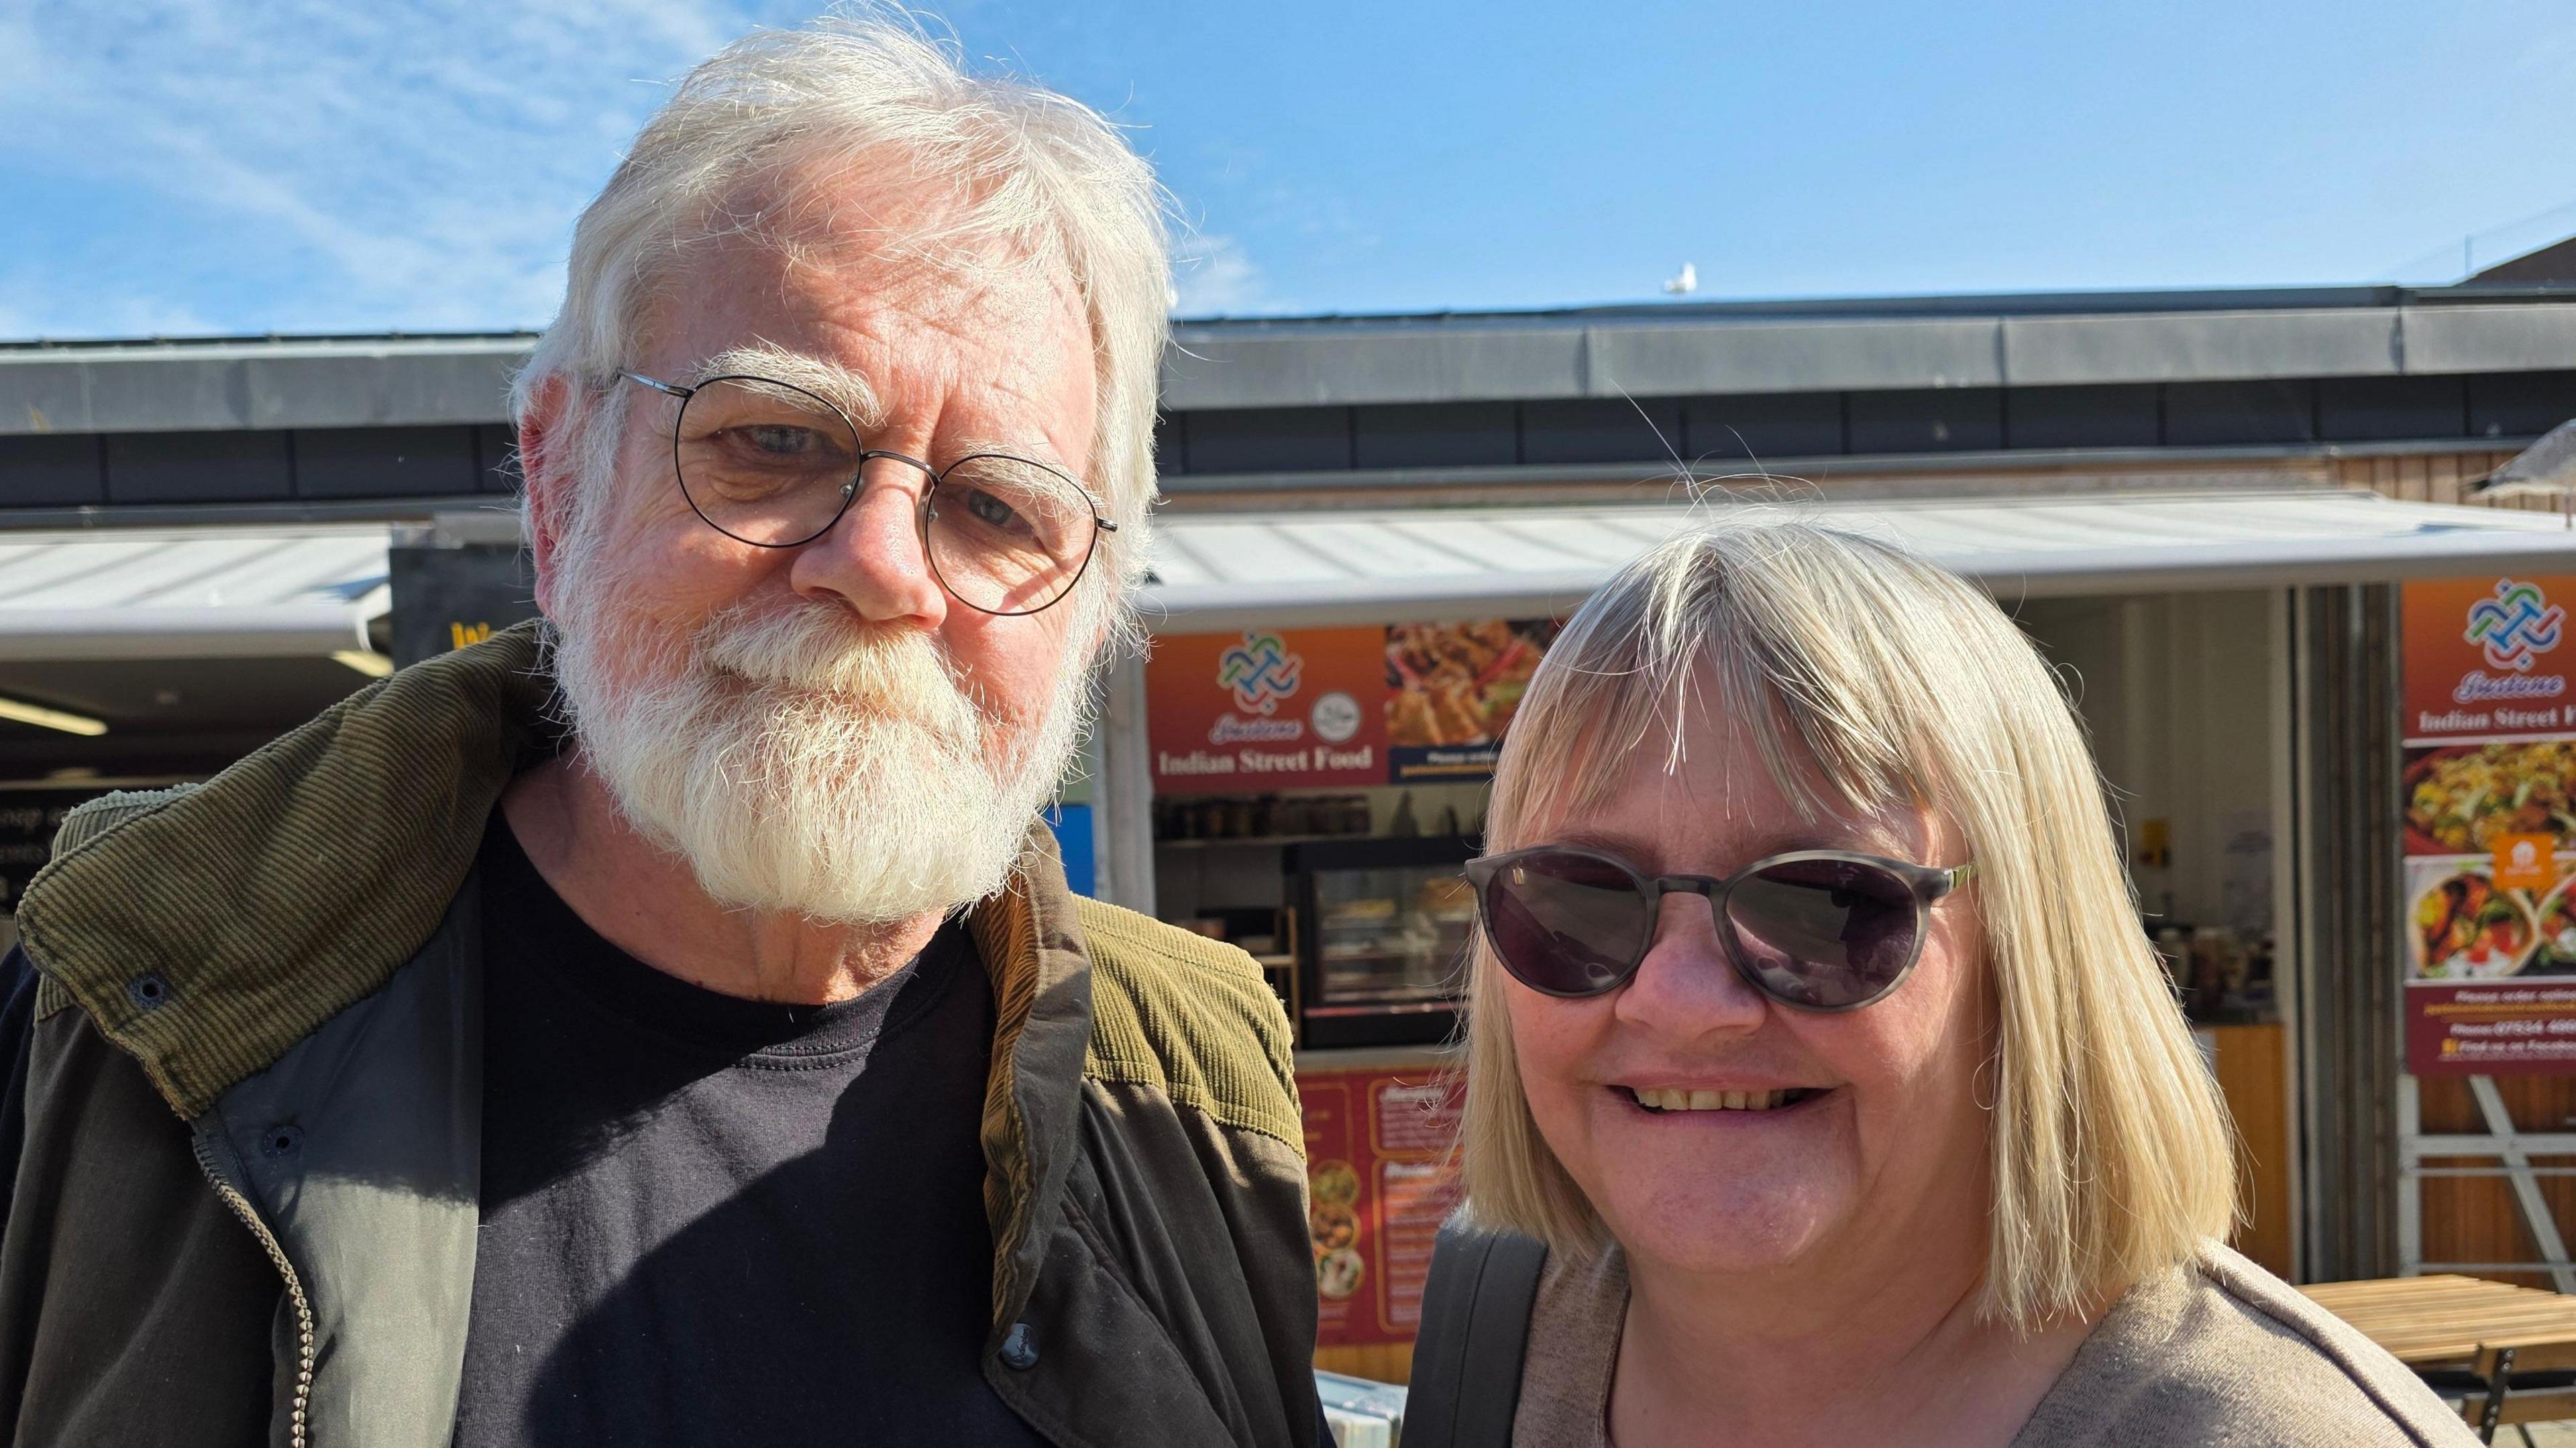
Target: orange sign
x,y
2484,658
2488,790
2526,862
1260,710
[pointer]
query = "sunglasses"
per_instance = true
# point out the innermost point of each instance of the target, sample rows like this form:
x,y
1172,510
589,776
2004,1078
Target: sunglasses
x,y
1815,930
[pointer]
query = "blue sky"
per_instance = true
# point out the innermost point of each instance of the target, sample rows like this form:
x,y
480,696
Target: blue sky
x,y
196,166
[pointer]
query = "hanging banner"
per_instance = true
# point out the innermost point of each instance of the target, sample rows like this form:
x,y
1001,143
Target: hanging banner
x,y
1379,1185
2489,830
2483,659
1265,709
1271,709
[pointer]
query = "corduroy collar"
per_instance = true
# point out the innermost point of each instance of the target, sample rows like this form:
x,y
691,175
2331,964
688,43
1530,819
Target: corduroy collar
x,y
208,932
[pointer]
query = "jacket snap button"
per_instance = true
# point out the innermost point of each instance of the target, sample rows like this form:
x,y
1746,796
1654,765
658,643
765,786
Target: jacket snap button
x,y
281,1140
1020,1347
150,990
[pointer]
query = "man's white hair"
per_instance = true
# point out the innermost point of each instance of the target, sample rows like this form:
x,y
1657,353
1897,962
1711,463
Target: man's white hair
x,y
867,88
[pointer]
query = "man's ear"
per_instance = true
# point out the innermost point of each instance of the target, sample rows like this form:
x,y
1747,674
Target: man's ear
x,y
550,472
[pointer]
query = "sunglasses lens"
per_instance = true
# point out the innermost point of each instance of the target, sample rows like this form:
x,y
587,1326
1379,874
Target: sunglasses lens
x,y
1565,923
1828,934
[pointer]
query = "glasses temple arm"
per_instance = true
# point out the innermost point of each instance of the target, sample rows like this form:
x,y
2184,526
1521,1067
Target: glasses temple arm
x,y
667,389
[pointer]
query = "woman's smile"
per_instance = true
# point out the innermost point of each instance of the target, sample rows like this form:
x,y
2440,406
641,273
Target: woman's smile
x,y
1707,1100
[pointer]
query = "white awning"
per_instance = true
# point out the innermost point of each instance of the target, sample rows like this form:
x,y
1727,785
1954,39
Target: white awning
x,y
311,590
1220,571
190,593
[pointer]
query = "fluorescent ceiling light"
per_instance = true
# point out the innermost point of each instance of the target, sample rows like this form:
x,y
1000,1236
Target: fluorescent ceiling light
x,y
366,661
44,718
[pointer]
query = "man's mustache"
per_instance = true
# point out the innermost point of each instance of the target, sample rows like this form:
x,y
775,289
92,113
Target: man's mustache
x,y
819,649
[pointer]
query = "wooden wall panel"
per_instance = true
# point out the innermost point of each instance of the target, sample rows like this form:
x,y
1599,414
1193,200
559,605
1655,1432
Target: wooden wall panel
x,y
2430,477
2476,1219
2253,1074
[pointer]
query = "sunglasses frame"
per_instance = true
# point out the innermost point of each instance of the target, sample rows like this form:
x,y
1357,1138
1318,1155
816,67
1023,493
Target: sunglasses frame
x,y
1927,883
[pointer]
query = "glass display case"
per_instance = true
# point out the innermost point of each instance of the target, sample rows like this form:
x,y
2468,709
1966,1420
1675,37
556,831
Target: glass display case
x,y
1383,953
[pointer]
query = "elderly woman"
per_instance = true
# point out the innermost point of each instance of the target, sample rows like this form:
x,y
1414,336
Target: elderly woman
x,y
1814,1036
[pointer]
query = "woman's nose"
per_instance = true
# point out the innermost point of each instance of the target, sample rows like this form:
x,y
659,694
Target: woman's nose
x,y
1686,987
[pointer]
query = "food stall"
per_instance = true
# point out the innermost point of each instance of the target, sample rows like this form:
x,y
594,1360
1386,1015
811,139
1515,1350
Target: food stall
x,y
1315,792
1300,767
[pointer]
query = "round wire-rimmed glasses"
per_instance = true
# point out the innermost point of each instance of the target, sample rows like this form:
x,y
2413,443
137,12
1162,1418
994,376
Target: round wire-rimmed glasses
x,y
773,465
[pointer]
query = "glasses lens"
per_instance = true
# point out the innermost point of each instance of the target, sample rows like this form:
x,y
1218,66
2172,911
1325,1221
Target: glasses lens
x,y
1566,923
1008,535
765,462
1828,934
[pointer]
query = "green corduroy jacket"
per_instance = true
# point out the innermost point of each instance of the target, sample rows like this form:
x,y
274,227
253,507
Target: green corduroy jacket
x,y
245,1211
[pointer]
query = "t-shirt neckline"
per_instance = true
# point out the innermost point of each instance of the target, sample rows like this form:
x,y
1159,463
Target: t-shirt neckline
x,y
642,996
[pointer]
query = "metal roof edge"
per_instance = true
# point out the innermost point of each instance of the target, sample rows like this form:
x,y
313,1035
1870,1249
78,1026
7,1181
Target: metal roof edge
x,y
2012,340
2268,548
281,631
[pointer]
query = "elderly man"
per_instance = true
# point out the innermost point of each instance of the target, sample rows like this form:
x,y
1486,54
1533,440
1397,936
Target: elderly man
x,y
671,1026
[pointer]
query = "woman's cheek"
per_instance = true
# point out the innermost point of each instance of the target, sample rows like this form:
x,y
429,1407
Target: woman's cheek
x,y
1550,1040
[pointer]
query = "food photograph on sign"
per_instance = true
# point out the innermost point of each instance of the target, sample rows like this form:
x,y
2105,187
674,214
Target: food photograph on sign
x,y
2464,927
2459,798
2487,885
1452,689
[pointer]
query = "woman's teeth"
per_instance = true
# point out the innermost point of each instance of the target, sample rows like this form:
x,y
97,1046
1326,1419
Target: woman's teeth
x,y
1676,1099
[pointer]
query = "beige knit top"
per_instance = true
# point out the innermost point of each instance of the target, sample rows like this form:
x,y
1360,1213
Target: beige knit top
x,y
2218,1352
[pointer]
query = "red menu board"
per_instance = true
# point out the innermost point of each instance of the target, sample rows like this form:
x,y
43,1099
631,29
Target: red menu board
x,y
1379,1185
2489,819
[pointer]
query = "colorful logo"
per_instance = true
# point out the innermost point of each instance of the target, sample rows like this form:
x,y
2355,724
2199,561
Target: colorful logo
x,y
2515,626
1261,672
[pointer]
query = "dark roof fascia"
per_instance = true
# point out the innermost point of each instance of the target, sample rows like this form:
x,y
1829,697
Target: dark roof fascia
x,y
1969,304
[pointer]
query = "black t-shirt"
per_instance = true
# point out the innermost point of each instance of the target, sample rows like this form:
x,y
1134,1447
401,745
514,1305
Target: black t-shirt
x,y
709,1220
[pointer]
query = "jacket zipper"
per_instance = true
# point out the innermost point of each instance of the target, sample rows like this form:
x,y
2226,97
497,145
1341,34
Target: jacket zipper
x,y
294,1285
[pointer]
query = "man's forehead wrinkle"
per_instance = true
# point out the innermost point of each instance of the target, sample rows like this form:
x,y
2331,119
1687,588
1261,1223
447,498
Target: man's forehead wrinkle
x,y
985,325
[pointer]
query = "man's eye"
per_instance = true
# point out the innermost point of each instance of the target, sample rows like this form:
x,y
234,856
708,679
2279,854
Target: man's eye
x,y
991,511
780,439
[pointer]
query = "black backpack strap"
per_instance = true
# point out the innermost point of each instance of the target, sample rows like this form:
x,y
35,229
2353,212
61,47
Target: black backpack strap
x,y
1475,1322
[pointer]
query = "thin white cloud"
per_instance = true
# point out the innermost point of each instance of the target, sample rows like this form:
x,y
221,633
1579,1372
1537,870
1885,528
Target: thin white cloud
x,y
28,310
1212,277
405,165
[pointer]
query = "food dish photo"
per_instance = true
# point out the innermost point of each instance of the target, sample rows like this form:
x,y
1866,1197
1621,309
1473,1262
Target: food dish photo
x,y
1458,683
2460,797
2466,928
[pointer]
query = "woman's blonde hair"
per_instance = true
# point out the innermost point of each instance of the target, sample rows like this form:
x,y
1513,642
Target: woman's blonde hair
x,y
1866,676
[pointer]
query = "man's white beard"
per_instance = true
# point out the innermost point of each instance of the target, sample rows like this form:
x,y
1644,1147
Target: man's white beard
x,y
800,760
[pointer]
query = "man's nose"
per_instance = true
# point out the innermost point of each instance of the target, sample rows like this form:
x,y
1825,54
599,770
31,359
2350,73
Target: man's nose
x,y
1687,987
872,559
